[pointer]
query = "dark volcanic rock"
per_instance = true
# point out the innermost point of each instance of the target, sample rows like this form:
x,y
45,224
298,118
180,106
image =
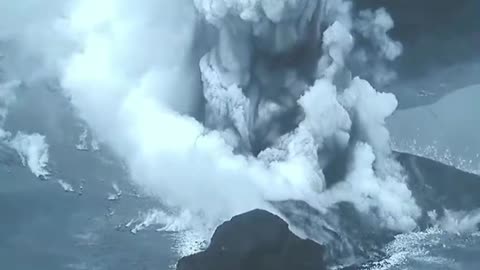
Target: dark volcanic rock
x,y
437,186
257,240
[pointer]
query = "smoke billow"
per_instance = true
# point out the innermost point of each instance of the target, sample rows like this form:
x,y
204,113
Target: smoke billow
x,y
33,151
296,56
31,148
221,106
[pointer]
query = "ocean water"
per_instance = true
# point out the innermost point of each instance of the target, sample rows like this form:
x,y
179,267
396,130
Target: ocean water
x,y
94,219
431,250
77,221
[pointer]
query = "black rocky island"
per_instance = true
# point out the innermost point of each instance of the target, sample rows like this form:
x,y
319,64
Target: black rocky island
x,y
256,240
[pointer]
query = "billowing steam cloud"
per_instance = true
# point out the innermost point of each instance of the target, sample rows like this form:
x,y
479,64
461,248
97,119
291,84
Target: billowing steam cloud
x,y
33,151
31,148
221,106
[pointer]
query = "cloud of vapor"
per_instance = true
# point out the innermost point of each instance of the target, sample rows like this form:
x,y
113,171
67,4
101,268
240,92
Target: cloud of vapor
x,y
31,148
254,119
367,191
32,38
459,221
170,154
374,26
7,97
33,151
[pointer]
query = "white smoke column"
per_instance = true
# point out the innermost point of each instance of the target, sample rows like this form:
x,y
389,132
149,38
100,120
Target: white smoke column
x,y
33,151
327,121
145,87
388,195
295,154
337,44
370,109
27,45
460,221
32,148
374,26
129,71
171,155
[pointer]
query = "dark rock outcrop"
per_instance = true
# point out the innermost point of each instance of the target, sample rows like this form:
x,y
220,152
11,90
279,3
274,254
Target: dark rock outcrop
x,y
257,240
437,186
